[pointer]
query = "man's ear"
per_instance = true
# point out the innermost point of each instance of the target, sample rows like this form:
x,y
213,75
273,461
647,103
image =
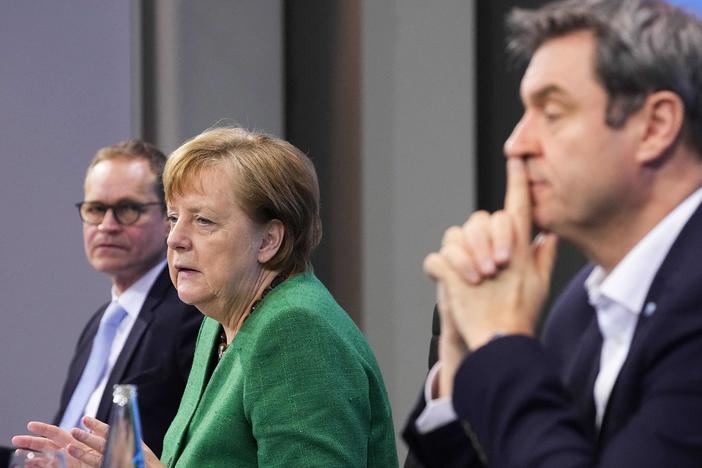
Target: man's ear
x,y
271,240
663,113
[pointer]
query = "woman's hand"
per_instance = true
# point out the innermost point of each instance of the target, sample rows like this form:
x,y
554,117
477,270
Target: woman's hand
x,y
89,447
84,449
47,437
96,440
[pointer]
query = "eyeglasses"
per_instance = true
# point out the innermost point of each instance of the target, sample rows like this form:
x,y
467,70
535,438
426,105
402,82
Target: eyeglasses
x,y
125,213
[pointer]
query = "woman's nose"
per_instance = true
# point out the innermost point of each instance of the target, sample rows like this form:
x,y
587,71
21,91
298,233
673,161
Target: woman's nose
x,y
177,237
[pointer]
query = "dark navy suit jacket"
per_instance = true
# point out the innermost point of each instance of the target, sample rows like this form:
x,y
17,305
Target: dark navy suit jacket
x,y
156,357
524,403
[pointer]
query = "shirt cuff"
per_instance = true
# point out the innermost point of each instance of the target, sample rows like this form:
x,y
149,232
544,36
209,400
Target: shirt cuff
x,y
438,411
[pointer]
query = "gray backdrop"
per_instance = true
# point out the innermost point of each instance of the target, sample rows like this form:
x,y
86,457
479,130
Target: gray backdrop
x,y
64,91
418,172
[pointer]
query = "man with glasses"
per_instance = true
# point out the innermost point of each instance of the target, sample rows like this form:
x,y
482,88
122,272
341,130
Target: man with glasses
x,y
145,335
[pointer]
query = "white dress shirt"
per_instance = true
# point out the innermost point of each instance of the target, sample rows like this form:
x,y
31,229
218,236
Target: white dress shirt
x,y
619,296
131,300
618,299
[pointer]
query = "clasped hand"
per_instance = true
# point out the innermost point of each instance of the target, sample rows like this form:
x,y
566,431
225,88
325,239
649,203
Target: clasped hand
x,y
491,277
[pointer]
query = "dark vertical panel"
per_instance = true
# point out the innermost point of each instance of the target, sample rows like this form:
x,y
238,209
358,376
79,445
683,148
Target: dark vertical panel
x,y
499,110
497,100
322,118
147,68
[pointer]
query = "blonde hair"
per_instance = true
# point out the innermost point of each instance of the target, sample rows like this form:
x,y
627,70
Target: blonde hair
x,y
271,179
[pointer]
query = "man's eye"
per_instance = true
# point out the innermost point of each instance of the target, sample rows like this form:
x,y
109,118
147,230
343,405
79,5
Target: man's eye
x,y
552,116
128,209
95,209
552,112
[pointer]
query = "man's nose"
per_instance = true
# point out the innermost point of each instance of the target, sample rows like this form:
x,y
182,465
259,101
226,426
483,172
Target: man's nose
x,y
109,221
522,142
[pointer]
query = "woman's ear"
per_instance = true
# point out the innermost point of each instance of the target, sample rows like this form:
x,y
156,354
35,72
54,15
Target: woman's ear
x,y
664,113
272,238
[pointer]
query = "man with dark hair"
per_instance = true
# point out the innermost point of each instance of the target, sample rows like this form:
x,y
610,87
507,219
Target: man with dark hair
x,y
608,155
146,335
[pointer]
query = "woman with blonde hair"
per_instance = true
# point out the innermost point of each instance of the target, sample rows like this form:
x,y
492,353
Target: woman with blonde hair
x,y
281,375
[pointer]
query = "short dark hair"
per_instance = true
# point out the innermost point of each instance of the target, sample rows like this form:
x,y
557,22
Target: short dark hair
x,y
642,46
136,149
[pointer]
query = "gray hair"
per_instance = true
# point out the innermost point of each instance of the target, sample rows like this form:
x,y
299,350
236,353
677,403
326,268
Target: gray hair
x,y
643,46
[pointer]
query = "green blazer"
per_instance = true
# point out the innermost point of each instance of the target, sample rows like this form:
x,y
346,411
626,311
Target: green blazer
x,y
298,387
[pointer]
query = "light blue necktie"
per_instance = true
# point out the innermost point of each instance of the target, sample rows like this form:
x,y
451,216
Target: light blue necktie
x,y
95,368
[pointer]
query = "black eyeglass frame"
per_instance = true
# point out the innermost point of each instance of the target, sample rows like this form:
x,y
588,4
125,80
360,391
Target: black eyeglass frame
x,y
140,209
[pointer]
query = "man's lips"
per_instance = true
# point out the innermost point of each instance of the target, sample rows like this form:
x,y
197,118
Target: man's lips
x,y
108,245
537,183
537,189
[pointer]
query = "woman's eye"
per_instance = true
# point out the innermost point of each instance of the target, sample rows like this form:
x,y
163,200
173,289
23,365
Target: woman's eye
x,y
172,219
203,221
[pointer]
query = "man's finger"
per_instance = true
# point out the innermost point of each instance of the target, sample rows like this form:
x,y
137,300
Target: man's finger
x,y
517,200
476,232
440,297
448,327
501,232
545,250
435,266
461,259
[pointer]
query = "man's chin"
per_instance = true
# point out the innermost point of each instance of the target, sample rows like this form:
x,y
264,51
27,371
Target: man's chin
x,y
542,222
109,266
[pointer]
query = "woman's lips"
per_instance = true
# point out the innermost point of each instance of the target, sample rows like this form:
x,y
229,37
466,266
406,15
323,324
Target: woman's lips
x,y
185,272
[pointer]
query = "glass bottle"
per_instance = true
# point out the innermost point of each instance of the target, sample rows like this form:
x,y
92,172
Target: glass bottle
x,y
123,448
